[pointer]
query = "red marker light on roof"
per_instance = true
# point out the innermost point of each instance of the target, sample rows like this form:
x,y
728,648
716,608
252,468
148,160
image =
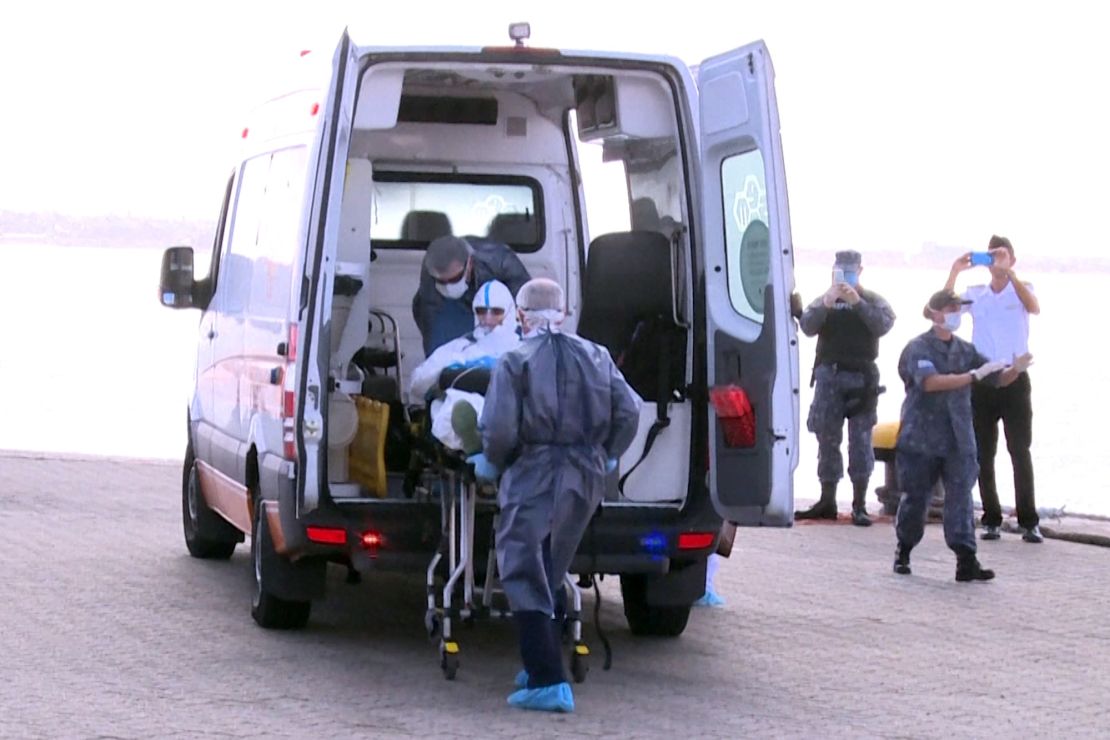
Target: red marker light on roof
x,y
245,132
315,109
305,52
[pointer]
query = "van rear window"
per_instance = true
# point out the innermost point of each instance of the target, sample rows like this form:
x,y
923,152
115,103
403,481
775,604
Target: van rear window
x,y
428,109
411,209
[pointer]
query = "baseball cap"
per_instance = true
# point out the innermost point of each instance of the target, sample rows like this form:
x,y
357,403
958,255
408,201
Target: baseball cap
x,y
941,300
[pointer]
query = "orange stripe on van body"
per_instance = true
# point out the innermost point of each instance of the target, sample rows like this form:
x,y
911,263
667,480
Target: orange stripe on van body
x,y
225,495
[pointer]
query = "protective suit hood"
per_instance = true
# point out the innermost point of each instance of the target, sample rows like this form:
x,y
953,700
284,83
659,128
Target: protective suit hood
x,y
495,294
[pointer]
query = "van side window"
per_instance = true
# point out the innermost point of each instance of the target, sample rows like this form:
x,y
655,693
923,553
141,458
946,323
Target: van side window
x,y
265,233
747,238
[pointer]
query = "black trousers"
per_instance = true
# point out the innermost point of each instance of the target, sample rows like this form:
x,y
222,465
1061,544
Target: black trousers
x,y
1011,405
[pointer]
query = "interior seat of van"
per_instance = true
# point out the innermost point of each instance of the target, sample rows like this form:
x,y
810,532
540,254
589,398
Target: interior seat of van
x,y
512,228
424,226
629,280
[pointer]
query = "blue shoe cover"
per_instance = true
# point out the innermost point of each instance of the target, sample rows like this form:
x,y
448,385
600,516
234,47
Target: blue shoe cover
x,y
556,698
710,598
521,680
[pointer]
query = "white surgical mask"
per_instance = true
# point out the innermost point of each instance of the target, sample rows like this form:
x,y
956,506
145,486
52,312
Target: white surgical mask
x,y
952,320
452,291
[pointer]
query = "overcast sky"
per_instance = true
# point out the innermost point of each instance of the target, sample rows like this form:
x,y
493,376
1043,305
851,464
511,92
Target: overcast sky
x,y
902,123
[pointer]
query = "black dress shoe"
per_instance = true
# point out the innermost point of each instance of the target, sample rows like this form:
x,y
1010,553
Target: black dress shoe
x,y
902,560
820,510
971,570
1033,534
860,518
991,532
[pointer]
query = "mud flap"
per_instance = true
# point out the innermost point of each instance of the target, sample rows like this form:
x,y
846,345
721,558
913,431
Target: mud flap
x,y
682,585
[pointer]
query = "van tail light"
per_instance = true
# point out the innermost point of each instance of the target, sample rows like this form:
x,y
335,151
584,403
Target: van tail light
x,y
289,396
327,535
291,347
695,540
735,414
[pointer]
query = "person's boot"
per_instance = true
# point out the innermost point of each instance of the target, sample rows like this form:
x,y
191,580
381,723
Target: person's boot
x,y
464,422
859,510
823,509
968,568
902,560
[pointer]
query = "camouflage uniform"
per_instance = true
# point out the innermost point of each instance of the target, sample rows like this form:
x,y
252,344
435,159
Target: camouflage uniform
x,y
846,390
936,440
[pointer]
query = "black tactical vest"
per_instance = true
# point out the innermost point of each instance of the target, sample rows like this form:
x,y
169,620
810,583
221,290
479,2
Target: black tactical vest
x,y
845,340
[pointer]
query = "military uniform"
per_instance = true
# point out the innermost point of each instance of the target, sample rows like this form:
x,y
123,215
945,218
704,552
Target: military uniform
x,y
846,386
936,440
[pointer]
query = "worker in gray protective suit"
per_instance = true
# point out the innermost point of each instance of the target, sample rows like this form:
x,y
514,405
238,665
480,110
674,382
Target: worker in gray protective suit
x,y
558,414
848,321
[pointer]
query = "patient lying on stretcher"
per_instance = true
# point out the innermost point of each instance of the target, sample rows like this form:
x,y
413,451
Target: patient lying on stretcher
x,y
454,377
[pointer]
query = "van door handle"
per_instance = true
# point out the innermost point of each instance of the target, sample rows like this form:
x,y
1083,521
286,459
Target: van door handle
x,y
211,333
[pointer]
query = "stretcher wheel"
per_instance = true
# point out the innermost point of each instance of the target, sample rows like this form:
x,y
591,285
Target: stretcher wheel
x,y
579,662
449,660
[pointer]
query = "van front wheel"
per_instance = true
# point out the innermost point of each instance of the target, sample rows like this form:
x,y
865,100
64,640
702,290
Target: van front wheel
x,y
207,535
268,610
648,619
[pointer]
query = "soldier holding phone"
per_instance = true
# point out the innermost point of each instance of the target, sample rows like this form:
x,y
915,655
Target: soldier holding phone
x,y
847,321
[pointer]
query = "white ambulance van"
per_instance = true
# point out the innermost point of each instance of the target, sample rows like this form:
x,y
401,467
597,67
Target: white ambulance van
x,y
655,197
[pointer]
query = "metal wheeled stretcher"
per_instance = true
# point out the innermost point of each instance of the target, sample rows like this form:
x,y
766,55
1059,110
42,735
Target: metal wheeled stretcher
x,y
460,597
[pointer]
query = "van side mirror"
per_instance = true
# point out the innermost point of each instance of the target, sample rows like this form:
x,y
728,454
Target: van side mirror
x,y
175,289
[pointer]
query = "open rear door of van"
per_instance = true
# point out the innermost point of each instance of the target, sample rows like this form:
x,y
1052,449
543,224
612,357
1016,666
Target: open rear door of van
x,y
313,351
752,362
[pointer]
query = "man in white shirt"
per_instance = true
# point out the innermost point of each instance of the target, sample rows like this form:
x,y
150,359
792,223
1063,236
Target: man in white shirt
x,y
1000,331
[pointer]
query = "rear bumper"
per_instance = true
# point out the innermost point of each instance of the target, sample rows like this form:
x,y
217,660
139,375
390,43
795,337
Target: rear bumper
x,y
406,535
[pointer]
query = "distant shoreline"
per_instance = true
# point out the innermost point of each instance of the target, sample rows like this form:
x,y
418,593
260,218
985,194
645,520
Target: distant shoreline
x,y
108,232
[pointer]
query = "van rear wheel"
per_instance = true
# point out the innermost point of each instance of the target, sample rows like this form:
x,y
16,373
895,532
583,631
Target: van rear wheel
x,y
649,619
207,535
268,610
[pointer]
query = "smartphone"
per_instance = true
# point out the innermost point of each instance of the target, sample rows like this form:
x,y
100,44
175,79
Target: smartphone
x,y
851,277
838,276
986,259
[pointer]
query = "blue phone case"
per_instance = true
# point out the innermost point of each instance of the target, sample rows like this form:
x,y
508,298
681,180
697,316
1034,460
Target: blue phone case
x,y
982,258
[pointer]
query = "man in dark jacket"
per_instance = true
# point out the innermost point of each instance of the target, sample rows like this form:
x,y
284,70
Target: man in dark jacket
x,y
453,269
848,321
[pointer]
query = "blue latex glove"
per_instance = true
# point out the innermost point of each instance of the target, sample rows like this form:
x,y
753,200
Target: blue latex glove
x,y
610,465
486,362
484,470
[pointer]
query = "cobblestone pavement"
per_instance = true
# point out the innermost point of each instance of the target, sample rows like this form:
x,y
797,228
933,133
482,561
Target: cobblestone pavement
x,y
109,629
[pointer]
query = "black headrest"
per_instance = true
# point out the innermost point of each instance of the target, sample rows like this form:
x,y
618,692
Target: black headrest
x,y
424,226
513,228
628,279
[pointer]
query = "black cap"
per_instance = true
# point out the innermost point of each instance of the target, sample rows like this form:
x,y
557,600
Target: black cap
x,y
848,258
941,300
